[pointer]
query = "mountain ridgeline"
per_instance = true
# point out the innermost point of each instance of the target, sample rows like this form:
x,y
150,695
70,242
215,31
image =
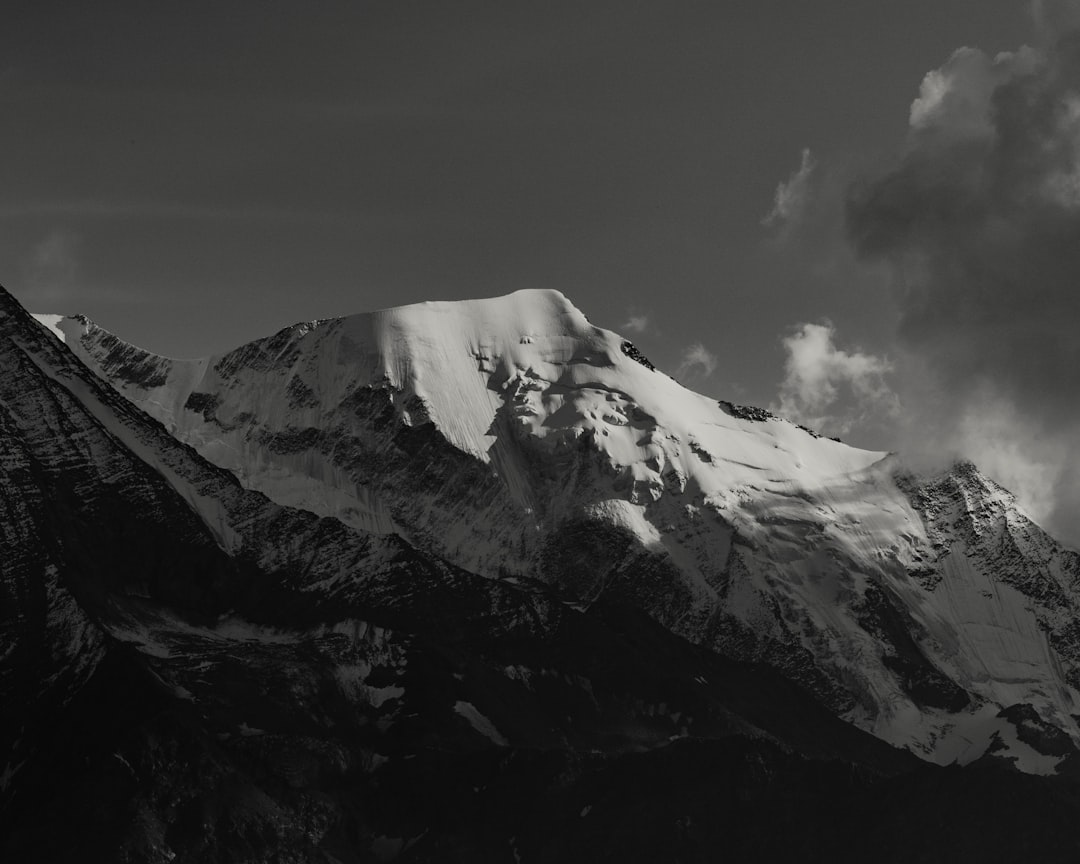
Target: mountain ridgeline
x,y
475,581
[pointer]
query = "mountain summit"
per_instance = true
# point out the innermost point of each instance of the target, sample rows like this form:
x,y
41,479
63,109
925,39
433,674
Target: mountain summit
x,y
192,672
517,440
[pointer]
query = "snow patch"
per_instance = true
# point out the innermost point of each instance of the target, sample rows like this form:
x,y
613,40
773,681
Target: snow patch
x,y
480,723
51,323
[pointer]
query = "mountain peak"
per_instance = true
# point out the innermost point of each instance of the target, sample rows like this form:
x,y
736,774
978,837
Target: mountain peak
x,y
514,438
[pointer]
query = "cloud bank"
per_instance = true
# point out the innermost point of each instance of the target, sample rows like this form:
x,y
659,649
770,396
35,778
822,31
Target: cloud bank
x,y
979,224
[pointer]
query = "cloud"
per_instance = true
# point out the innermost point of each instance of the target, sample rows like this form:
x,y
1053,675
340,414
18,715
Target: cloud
x,y
955,102
1016,450
793,196
695,357
979,224
636,324
828,388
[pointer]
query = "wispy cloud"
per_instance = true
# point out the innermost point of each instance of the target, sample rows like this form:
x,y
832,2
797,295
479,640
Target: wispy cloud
x,y
793,195
636,324
696,359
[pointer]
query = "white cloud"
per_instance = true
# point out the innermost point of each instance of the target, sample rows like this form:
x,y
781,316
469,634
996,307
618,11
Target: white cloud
x,y
956,96
956,101
696,356
792,196
825,386
636,324
1015,450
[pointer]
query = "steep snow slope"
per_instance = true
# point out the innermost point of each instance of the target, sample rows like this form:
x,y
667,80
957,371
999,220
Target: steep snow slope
x,y
515,438
509,382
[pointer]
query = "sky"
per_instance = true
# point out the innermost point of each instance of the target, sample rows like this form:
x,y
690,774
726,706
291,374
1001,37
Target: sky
x,y
863,215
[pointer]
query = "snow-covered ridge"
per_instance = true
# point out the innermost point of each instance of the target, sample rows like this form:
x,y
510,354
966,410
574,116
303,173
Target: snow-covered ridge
x,y
530,361
515,438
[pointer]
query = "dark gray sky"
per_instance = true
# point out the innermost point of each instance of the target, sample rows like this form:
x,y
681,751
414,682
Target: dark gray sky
x,y
197,174
193,175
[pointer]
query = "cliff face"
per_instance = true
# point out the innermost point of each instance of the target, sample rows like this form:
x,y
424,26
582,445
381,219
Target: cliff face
x,y
516,440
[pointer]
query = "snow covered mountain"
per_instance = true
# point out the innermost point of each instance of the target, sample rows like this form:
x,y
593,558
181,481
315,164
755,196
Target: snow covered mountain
x,y
518,441
192,672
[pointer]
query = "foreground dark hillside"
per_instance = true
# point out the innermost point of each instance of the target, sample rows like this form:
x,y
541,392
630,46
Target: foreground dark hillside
x,y
135,775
